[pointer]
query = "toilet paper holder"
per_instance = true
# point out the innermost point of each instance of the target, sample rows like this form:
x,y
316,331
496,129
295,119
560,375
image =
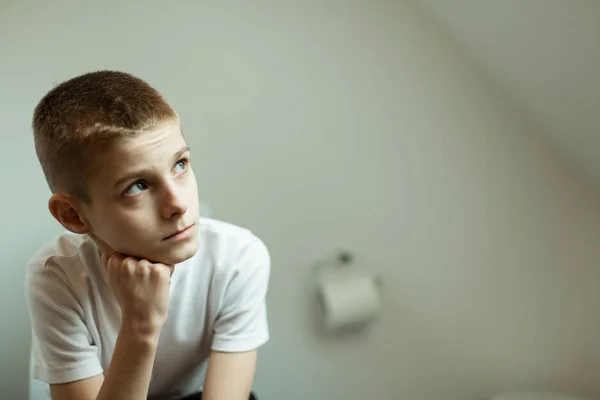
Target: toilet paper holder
x,y
342,259
348,298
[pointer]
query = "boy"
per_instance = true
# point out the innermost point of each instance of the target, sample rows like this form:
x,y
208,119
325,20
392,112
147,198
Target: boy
x,y
139,297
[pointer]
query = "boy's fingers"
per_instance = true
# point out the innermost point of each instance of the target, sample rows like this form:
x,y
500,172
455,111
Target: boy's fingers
x,y
112,260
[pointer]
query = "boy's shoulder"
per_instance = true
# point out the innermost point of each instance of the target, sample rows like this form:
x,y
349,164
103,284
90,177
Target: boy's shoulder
x,y
225,242
66,261
210,230
66,245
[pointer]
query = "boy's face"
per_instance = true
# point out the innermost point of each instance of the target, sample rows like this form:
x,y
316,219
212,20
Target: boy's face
x,y
145,193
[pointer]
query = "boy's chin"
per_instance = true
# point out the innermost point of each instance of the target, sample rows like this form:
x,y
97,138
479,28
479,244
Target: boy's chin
x,y
175,256
172,260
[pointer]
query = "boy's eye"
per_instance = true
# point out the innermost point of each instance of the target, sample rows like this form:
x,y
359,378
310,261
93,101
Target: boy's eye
x,y
136,188
180,166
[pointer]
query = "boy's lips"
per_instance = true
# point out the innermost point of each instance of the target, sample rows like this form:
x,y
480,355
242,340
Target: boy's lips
x,y
179,233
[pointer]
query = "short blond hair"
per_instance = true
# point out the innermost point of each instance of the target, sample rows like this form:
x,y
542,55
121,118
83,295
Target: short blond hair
x,y
83,115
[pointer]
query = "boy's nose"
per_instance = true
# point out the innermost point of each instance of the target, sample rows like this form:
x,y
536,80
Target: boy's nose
x,y
174,204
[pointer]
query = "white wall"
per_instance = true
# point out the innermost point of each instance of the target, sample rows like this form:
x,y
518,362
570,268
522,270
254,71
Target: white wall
x,y
326,125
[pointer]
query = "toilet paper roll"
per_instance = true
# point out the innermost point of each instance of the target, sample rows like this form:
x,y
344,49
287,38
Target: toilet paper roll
x,y
348,299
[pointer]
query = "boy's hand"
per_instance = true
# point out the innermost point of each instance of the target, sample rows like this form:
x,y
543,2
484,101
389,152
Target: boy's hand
x,y
142,290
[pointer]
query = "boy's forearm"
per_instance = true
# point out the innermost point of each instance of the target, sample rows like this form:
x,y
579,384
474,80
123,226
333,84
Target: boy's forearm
x,y
128,376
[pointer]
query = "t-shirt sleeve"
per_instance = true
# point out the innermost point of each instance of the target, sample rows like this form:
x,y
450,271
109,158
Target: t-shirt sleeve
x,y
241,324
62,348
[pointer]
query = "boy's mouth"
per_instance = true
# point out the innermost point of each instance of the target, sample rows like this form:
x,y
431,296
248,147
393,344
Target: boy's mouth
x,y
179,234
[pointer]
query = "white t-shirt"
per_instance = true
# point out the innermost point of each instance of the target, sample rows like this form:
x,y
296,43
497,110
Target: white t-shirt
x,y
217,303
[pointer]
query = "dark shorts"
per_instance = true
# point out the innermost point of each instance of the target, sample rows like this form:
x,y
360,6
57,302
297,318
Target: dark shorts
x,y
198,396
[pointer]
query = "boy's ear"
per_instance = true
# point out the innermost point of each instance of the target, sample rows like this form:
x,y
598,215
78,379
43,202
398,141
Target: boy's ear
x,y
65,210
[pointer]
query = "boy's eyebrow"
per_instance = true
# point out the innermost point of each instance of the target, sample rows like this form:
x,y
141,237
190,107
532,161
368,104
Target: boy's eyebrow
x,y
180,153
140,172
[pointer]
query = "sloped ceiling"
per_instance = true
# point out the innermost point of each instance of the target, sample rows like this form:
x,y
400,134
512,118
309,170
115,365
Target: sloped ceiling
x,y
545,55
